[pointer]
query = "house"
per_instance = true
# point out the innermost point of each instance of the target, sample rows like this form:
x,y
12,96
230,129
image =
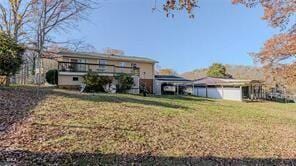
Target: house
x,y
169,84
228,89
72,66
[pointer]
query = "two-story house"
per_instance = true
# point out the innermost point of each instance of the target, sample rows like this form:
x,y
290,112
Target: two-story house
x,y
73,66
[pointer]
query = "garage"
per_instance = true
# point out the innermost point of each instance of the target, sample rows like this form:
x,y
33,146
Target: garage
x,y
169,85
227,89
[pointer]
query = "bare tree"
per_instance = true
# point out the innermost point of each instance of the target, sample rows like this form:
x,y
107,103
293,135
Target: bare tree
x,y
51,16
79,46
14,15
113,51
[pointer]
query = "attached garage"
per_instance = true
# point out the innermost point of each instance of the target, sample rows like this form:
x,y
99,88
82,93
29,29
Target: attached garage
x,y
228,89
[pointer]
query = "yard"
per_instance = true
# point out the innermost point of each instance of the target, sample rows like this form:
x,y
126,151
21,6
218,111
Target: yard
x,y
63,127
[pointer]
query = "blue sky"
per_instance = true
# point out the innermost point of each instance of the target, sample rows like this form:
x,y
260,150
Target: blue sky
x,y
221,32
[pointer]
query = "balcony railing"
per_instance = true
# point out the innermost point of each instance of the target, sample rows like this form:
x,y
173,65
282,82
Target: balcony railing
x,y
97,68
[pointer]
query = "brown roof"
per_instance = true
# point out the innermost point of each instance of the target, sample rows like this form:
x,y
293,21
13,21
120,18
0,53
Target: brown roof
x,y
223,81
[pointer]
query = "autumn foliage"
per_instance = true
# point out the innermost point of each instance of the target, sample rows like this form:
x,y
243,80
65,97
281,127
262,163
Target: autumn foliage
x,y
278,53
172,5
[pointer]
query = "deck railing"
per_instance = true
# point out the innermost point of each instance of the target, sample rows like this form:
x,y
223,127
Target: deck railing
x,y
97,68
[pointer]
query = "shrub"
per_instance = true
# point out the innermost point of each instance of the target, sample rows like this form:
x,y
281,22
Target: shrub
x,y
96,83
52,77
10,56
125,82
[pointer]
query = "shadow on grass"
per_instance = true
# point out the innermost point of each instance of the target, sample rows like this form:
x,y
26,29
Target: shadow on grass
x,y
16,104
37,158
185,98
97,127
122,99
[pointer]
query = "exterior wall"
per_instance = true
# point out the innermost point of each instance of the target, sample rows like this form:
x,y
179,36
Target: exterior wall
x,y
146,69
157,87
47,64
146,76
215,93
232,94
66,81
200,91
227,93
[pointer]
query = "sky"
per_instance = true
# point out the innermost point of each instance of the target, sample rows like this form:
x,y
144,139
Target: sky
x,y
220,32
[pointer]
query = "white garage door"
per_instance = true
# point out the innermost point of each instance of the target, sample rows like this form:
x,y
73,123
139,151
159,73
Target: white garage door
x,y
201,92
232,94
215,93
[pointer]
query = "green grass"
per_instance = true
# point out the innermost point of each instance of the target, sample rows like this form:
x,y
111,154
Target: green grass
x,y
167,126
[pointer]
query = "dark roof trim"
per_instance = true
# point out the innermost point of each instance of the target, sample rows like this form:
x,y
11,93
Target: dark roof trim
x,y
107,56
171,78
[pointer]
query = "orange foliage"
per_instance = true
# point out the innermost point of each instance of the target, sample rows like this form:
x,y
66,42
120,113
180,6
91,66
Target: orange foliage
x,y
279,52
167,72
172,5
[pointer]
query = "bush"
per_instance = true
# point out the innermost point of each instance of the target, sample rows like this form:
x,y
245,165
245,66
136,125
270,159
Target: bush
x,y
95,83
10,56
125,82
52,77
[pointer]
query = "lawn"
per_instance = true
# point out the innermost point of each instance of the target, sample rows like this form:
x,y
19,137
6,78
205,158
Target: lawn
x,y
62,127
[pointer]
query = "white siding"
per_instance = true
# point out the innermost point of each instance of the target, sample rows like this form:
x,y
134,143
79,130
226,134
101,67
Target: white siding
x,y
215,93
229,93
157,87
201,92
233,94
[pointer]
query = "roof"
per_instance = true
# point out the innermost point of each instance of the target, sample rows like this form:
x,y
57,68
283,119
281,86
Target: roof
x,y
171,78
106,56
223,81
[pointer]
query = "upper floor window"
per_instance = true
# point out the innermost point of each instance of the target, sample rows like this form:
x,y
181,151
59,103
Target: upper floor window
x,y
134,65
122,64
103,62
102,65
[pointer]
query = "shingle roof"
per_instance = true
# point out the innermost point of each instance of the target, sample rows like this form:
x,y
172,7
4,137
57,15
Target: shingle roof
x,y
222,81
107,56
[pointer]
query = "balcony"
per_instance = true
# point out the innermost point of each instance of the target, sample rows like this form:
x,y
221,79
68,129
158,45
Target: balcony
x,y
74,67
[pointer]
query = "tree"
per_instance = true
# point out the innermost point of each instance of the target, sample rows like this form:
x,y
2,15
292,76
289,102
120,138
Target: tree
x,y
112,51
278,54
14,15
54,15
167,72
217,70
35,20
52,77
96,83
170,6
10,55
125,82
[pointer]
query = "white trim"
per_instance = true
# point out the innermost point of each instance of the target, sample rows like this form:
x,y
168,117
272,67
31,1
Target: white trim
x,y
80,74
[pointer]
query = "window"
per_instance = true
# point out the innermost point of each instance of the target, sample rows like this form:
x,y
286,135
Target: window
x,y
103,62
73,66
82,67
75,79
102,65
122,65
77,67
134,65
